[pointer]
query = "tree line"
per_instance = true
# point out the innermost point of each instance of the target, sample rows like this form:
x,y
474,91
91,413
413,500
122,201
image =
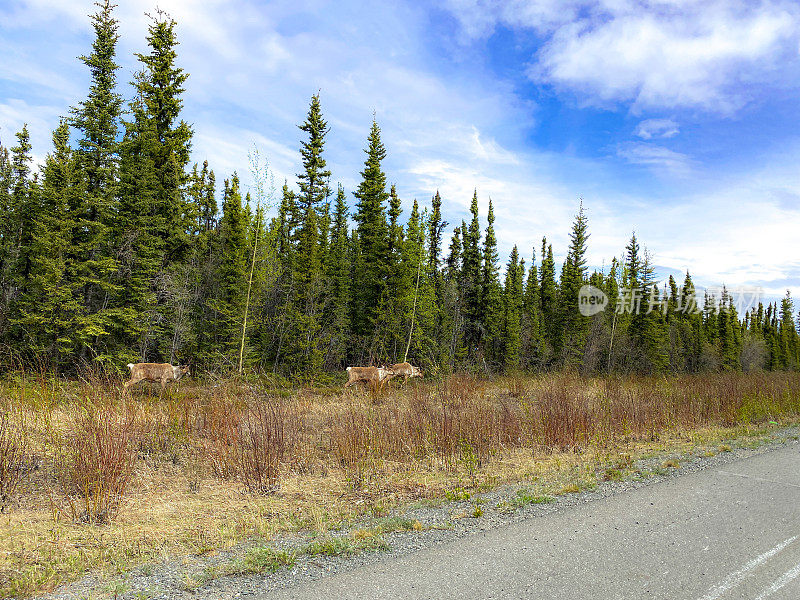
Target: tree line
x,y
116,250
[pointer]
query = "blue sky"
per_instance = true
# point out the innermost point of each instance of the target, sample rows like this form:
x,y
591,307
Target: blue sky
x,y
675,118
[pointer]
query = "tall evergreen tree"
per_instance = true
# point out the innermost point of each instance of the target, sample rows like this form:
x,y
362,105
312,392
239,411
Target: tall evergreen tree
x,y
314,191
453,348
472,279
435,228
338,272
513,305
96,120
231,272
491,298
574,326
548,294
304,330
6,230
372,232
728,340
49,305
787,337
532,334
22,219
23,213
158,214
419,299
202,192
400,273
164,138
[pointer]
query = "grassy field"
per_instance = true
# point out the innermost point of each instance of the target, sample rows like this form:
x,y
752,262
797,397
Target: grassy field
x,y
91,478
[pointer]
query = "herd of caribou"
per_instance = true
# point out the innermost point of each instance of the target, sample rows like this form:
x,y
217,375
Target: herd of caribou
x,y
374,376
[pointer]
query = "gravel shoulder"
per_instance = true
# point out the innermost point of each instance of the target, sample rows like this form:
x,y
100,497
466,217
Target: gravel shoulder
x,y
423,525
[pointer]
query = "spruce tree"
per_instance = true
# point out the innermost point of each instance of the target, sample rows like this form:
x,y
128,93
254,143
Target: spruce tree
x,y
691,319
338,273
97,117
399,279
6,229
548,294
23,218
96,120
419,299
311,235
231,272
158,214
48,308
314,191
574,326
371,268
787,336
287,224
315,178
453,348
472,279
23,213
648,327
435,228
729,338
513,306
491,298
201,192
165,139
202,265
532,336
139,248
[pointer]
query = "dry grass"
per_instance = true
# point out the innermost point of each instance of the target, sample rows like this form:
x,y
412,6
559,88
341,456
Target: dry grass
x,y
13,450
128,479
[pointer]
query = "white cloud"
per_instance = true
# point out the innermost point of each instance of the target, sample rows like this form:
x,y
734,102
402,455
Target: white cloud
x,y
657,128
652,53
660,159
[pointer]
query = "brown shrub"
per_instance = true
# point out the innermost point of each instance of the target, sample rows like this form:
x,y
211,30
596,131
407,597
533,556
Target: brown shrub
x,y
266,431
351,442
13,465
96,462
218,427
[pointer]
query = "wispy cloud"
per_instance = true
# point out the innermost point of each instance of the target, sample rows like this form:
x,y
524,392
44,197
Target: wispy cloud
x,y
657,128
658,158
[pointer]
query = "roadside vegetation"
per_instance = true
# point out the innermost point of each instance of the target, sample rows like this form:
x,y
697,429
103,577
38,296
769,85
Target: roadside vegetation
x,y
92,478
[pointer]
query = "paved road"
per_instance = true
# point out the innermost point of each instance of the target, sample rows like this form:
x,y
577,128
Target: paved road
x,y
721,533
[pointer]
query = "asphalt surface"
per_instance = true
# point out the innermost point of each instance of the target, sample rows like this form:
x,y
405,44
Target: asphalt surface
x,y
722,533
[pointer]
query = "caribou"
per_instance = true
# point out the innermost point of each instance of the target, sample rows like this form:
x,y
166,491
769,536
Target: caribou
x,y
372,375
407,370
162,372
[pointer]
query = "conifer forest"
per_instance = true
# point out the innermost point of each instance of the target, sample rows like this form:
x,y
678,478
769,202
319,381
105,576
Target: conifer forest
x,y
116,249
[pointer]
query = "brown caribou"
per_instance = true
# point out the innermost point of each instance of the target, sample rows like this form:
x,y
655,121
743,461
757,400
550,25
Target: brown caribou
x,y
372,375
407,370
162,372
